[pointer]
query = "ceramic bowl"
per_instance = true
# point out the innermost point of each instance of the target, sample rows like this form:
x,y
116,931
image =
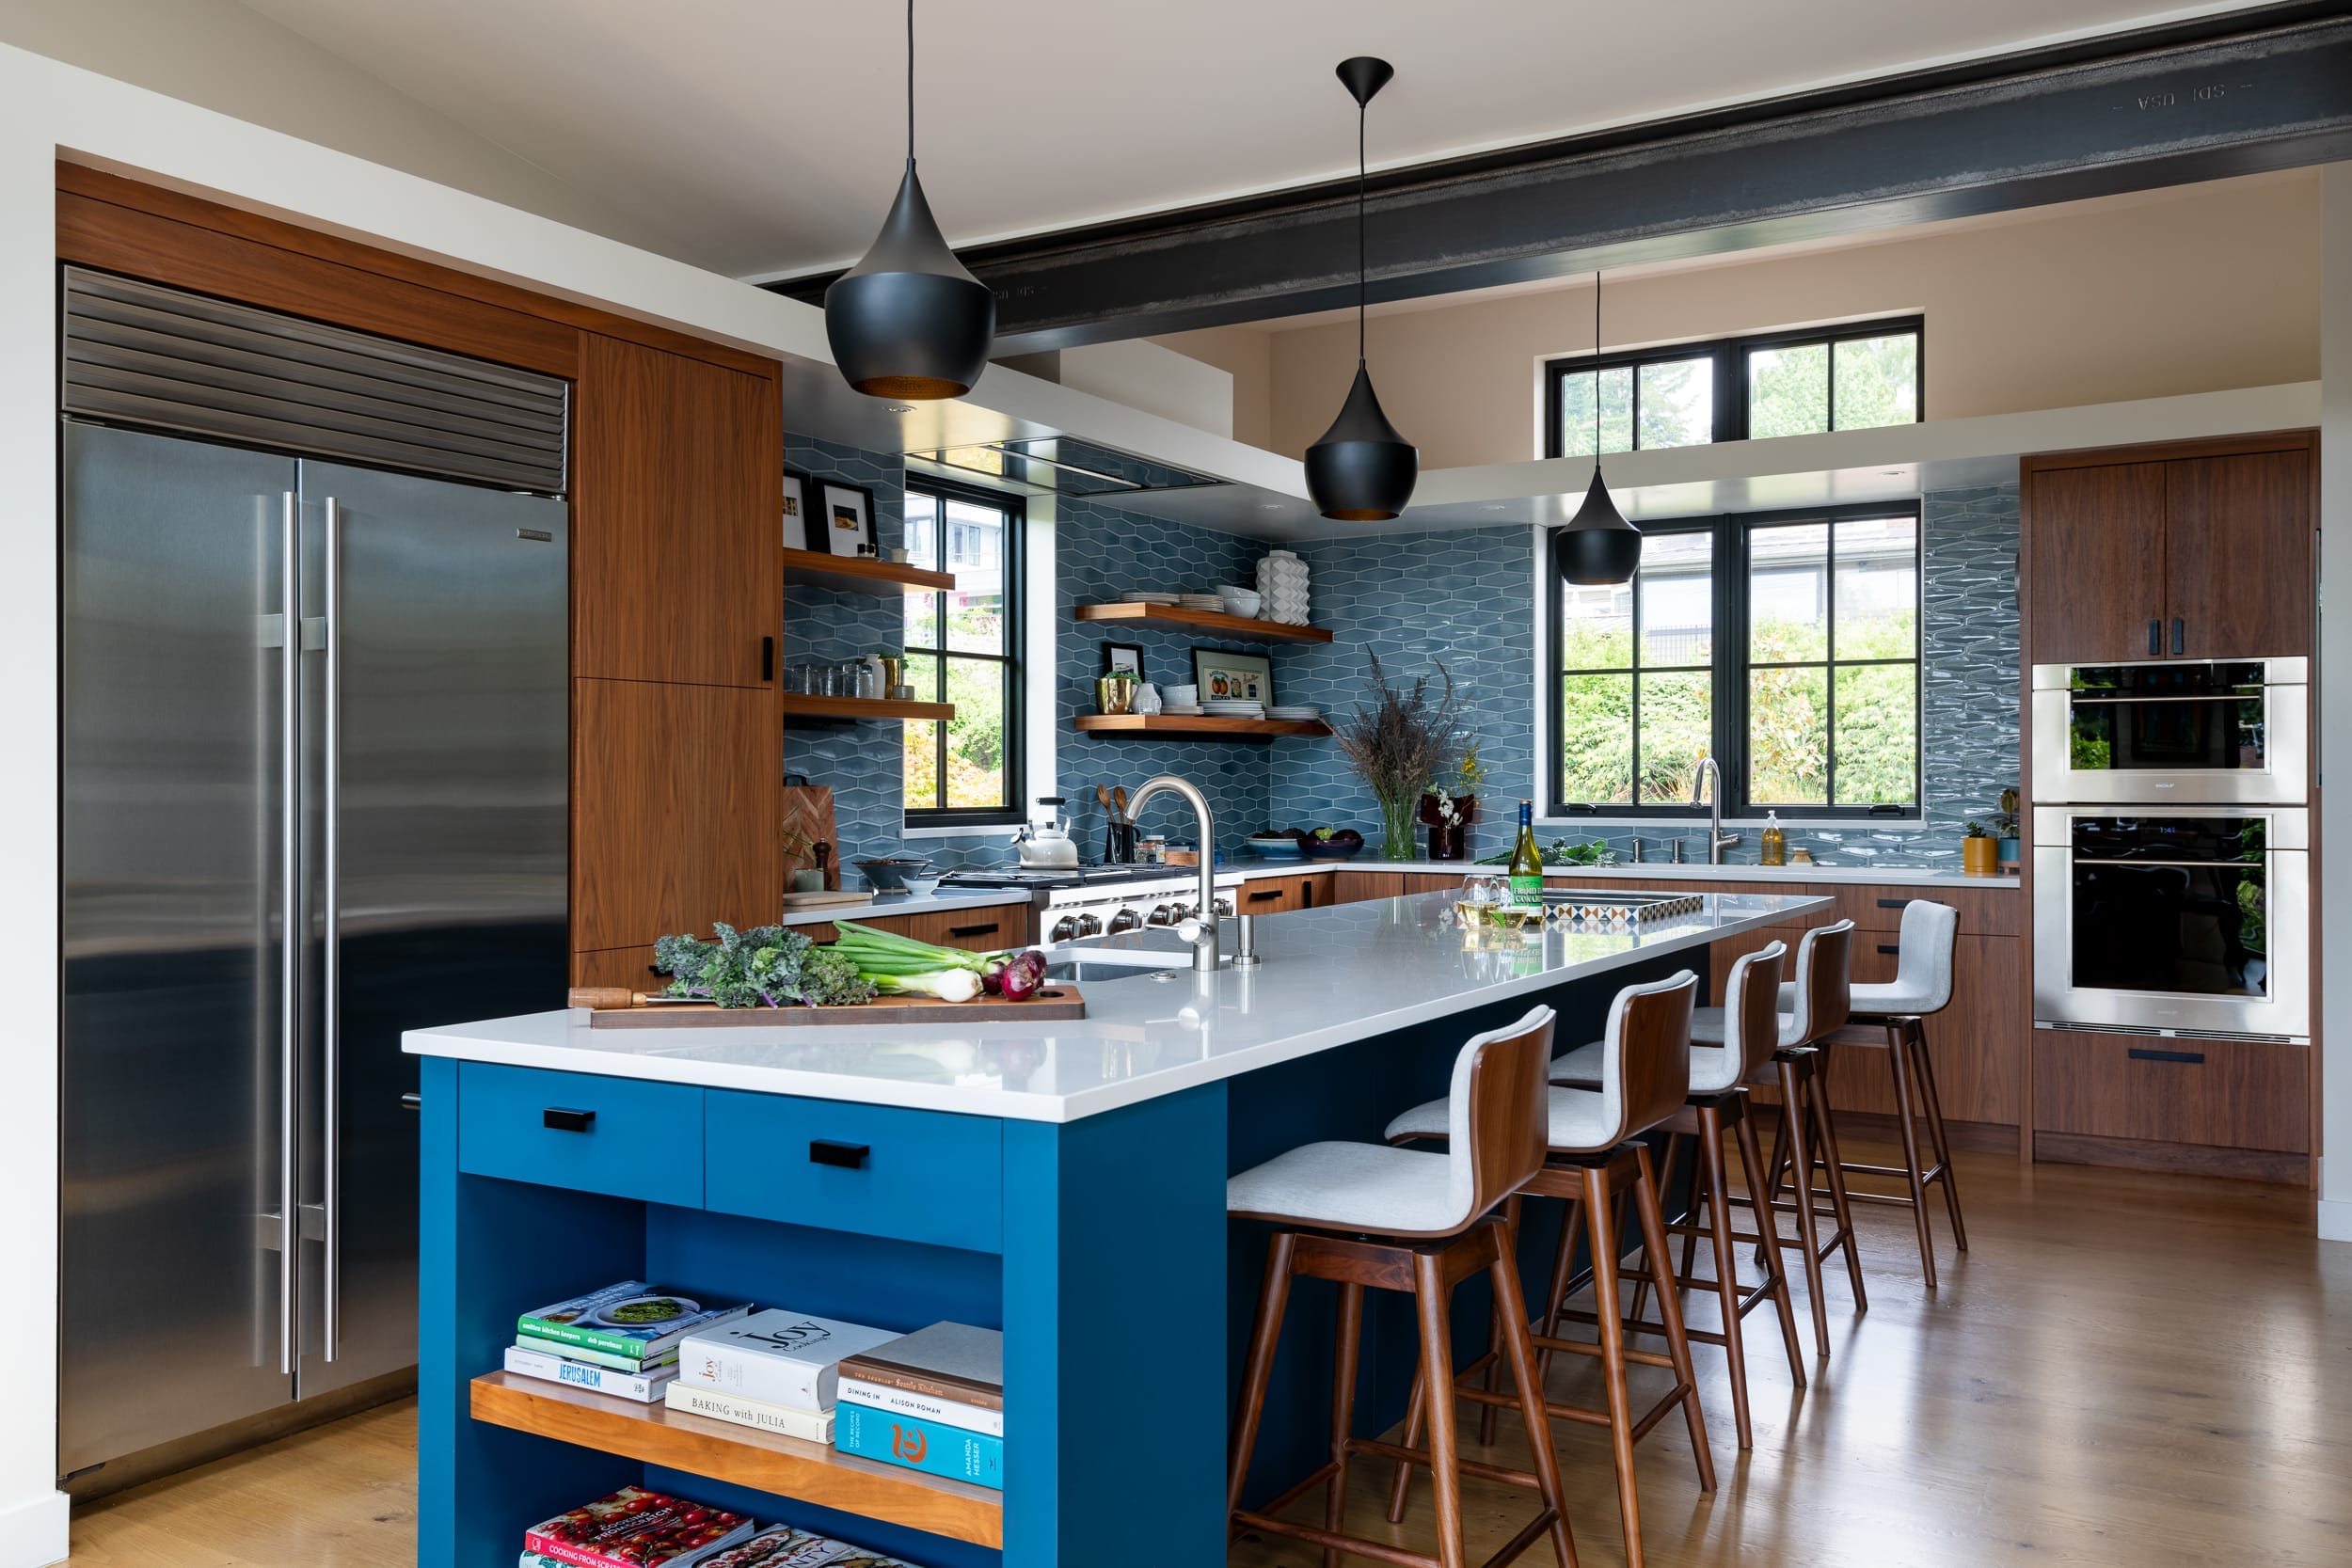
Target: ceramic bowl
x,y
1240,601
1181,696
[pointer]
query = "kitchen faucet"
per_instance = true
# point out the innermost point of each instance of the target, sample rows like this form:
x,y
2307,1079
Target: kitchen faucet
x,y
1717,840
1200,930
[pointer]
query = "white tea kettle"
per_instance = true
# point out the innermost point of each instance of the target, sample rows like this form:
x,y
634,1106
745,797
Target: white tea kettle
x,y
1043,842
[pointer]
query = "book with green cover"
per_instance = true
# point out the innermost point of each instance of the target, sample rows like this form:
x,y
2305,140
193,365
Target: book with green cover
x,y
637,1364
632,1318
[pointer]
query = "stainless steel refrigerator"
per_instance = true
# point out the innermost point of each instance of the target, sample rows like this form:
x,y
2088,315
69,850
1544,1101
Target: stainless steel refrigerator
x,y
316,764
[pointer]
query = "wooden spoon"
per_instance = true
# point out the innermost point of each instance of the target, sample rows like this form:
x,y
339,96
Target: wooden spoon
x,y
1102,793
1118,796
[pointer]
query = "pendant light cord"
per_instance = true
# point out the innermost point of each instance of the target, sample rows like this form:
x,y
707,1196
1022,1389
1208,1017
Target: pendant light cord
x,y
1360,262
910,84
1595,363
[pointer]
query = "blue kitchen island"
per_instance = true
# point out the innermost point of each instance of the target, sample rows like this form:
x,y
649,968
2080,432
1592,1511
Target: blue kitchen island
x,y
1063,1181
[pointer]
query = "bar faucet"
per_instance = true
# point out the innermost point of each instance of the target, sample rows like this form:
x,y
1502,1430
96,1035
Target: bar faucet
x,y
1717,840
1200,930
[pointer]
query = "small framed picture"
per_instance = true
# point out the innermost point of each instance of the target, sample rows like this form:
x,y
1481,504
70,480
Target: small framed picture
x,y
795,511
1123,658
1228,675
846,512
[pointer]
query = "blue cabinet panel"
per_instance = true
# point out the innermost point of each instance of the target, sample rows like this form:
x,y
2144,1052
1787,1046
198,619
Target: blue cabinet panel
x,y
620,1137
918,1175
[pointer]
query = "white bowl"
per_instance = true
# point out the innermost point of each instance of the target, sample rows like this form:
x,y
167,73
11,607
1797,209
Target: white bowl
x,y
1240,601
924,885
1181,696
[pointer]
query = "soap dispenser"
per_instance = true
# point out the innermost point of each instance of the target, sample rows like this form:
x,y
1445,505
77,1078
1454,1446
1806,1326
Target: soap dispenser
x,y
1774,846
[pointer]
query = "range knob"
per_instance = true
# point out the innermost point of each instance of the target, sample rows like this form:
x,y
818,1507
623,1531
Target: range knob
x,y
1064,928
1089,926
1127,919
1225,908
1162,914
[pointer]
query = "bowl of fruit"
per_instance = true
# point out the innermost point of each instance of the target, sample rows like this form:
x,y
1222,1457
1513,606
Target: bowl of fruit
x,y
1332,844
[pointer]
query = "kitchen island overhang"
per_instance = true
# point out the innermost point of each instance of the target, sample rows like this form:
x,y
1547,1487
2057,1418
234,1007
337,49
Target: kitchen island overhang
x,y
1064,1182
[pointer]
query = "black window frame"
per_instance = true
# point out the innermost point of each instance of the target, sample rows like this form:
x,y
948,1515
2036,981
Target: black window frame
x,y
1012,813
1729,668
1730,356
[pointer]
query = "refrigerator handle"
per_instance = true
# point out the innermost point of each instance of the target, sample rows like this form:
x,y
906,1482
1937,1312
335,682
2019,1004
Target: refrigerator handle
x,y
291,922
330,1077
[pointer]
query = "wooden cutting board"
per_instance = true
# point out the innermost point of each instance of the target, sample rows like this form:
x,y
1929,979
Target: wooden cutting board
x,y
808,811
1056,1004
825,900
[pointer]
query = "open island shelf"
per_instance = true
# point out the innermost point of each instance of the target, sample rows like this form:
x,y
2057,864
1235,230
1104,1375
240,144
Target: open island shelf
x,y
744,1456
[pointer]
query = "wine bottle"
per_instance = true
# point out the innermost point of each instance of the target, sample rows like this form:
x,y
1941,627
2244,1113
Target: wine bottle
x,y
1526,862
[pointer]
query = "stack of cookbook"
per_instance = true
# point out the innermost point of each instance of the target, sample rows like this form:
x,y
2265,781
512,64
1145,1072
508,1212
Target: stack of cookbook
x,y
621,1340
774,1369
638,1528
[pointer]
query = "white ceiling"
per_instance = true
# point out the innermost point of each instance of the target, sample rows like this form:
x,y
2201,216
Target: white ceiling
x,y
763,137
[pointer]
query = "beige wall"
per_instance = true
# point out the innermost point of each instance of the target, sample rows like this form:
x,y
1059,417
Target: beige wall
x,y
1246,354
2199,289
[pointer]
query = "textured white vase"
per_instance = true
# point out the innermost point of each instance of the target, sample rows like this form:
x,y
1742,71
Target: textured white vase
x,y
1282,587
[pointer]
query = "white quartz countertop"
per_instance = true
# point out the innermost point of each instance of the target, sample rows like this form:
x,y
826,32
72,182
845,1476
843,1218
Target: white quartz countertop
x,y
1331,976
1649,871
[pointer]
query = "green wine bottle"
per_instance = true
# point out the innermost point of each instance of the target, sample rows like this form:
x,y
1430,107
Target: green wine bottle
x,y
1526,862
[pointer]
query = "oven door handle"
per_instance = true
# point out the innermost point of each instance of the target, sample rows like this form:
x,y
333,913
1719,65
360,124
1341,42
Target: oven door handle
x,y
2194,865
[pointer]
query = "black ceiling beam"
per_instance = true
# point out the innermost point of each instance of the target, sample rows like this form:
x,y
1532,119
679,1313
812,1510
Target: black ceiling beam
x,y
2264,89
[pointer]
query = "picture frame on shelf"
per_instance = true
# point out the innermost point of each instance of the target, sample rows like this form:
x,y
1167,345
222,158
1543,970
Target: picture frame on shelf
x,y
1123,658
1232,675
846,511
796,509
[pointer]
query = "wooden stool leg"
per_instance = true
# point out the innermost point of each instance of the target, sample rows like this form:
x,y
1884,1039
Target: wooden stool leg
x,y
1351,1339
1436,1372
1601,1236
1789,1138
1273,1296
1772,1254
1710,1171
1923,1071
1833,1162
1520,1354
1489,1414
1907,1131
1702,1194
1641,1280
1416,1414
1653,1222
1556,1301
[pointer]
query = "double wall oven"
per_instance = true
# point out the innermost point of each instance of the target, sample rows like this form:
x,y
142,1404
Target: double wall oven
x,y
2173,882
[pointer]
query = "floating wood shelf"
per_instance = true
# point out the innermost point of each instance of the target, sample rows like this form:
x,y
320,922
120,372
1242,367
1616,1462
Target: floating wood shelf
x,y
1202,728
850,708
1246,627
855,574
744,1456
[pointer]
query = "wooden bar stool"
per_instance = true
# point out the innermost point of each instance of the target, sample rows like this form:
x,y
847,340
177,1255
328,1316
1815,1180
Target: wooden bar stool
x,y
1644,1076
1368,1216
1749,1034
1892,1018
1815,1004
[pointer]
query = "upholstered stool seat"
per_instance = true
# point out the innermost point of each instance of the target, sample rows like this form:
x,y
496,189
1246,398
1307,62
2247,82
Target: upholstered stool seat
x,y
1576,1117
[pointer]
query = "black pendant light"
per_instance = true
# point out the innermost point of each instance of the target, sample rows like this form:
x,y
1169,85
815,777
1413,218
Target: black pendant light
x,y
1598,547
909,321
1361,470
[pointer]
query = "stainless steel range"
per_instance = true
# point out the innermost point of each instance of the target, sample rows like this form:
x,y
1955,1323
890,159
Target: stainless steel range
x,y
1091,900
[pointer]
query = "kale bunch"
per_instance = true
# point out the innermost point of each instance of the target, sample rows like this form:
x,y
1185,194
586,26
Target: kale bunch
x,y
760,967
829,978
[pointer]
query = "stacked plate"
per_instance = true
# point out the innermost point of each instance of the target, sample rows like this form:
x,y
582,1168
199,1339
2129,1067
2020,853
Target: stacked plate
x,y
1234,709
1201,601
1283,588
1293,711
1181,710
1148,598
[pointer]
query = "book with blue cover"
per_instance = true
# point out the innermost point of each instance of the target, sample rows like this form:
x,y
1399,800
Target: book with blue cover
x,y
931,1447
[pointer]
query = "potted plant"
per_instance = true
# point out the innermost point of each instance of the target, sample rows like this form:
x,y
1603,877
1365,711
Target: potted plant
x,y
1977,851
1397,744
1448,810
2006,829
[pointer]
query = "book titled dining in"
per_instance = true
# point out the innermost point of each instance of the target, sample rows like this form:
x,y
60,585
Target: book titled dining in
x,y
945,1361
918,1445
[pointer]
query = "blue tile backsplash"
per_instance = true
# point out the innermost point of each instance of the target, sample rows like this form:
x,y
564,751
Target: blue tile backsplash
x,y
1464,599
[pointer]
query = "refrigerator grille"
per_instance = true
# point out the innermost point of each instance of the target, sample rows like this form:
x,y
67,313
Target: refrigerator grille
x,y
142,354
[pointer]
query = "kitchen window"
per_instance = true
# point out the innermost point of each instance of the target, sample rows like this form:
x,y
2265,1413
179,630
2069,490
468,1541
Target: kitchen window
x,y
963,646
1851,377
1786,645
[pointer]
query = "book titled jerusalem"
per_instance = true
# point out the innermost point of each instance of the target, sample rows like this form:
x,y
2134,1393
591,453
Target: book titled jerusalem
x,y
628,1319
809,1426
643,1365
776,1358
634,1528
644,1387
945,1361
918,1445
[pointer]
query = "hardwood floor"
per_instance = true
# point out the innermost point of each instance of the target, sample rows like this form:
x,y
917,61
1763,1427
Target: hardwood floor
x,y
2128,1369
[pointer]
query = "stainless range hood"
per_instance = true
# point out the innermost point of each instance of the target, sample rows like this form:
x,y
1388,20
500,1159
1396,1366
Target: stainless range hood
x,y
1057,466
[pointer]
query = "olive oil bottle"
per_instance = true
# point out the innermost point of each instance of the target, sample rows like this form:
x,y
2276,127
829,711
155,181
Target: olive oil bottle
x,y
1774,847
1526,862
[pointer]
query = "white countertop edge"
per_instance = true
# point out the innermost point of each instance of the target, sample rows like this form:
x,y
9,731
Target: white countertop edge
x,y
460,1042
1249,868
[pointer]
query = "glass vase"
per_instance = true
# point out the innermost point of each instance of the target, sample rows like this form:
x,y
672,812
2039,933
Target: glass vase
x,y
1398,817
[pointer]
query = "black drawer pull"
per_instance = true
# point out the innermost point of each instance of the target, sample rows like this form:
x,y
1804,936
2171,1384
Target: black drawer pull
x,y
412,1102
2155,637
562,1121
1263,895
1893,903
989,929
1895,951
2176,635
2139,1054
767,659
825,1151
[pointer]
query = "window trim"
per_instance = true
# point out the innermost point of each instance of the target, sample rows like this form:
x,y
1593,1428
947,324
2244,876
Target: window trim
x,y
1730,356
937,821
1730,669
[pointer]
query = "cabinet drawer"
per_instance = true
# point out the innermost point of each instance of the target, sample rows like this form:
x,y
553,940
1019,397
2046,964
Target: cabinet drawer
x,y
982,930
1273,894
921,1176
1983,911
616,1135
2230,1094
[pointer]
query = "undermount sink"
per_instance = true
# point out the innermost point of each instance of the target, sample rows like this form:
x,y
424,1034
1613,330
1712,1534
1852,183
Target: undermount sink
x,y
1126,956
